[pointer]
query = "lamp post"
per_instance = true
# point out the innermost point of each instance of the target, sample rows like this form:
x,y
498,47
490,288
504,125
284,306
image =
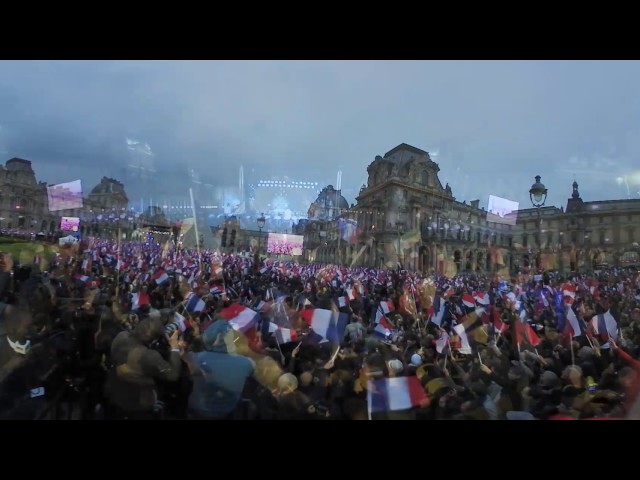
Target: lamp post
x,y
260,221
538,196
399,226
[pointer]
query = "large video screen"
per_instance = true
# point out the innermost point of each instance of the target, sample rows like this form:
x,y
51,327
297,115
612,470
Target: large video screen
x,y
283,244
65,196
502,210
69,224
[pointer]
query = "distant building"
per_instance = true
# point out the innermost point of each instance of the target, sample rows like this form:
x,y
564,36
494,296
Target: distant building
x,y
24,204
23,200
329,205
404,215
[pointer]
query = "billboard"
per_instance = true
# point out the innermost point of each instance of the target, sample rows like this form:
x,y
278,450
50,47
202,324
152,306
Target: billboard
x,y
69,224
65,196
502,210
283,244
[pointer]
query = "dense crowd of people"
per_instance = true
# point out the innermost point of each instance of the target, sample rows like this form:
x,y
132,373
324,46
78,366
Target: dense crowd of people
x,y
101,330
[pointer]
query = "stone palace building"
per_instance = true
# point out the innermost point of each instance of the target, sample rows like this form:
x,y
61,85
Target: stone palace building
x,y
404,215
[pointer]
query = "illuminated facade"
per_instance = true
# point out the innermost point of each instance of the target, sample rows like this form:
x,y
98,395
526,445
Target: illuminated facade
x,y
24,204
406,216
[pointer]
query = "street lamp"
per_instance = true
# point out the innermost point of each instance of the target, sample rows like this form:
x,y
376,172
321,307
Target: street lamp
x,y
538,196
260,221
399,226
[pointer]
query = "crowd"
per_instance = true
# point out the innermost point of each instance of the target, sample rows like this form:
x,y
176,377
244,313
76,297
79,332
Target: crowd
x,y
129,331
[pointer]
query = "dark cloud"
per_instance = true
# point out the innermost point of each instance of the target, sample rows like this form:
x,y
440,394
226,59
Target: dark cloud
x,y
495,125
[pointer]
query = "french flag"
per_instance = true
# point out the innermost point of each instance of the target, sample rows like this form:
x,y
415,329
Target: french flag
x,y
569,294
399,393
194,303
160,277
181,321
482,298
342,301
573,326
286,335
468,301
217,290
330,325
442,344
498,325
383,328
440,311
465,346
605,326
139,299
384,308
524,331
240,318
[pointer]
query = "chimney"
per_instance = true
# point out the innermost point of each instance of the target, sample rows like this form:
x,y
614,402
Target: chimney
x,y
475,203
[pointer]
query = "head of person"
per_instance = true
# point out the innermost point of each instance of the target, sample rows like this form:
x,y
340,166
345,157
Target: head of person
x,y
148,330
219,337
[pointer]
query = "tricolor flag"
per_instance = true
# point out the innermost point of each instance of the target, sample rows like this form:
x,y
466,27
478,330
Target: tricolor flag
x,y
342,302
383,328
442,344
181,321
286,335
482,298
498,325
605,326
439,312
468,301
160,277
573,326
139,299
465,347
383,309
330,325
240,318
217,290
399,393
524,331
569,293
194,303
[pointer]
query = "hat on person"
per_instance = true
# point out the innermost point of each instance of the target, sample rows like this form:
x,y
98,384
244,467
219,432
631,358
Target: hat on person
x,y
548,380
396,365
416,360
210,335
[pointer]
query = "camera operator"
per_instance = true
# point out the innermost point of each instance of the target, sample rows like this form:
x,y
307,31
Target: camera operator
x,y
131,388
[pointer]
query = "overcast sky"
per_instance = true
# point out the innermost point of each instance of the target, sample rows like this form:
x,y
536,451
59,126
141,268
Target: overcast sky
x,y
491,125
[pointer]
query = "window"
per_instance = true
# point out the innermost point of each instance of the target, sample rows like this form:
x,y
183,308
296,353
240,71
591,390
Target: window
x,y
525,240
425,177
602,237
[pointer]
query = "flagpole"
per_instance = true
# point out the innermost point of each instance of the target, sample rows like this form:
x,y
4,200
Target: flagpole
x,y
195,225
118,265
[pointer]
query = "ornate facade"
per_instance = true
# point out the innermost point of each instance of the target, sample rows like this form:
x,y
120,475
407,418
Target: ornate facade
x,y
584,236
406,216
24,204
